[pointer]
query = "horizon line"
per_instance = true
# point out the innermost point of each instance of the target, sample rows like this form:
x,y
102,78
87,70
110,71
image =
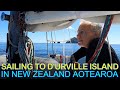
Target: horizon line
x,y
59,43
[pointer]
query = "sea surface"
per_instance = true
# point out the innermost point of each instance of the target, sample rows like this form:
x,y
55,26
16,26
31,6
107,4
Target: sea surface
x,y
66,49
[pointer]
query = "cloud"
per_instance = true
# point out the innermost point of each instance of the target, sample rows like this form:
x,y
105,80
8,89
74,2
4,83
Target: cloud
x,y
70,27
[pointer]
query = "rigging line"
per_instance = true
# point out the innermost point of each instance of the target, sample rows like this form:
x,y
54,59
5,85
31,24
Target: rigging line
x,y
55,41
97,52
47,42
102,42
70,40
52,42
109,50
69,34
106,29
64,47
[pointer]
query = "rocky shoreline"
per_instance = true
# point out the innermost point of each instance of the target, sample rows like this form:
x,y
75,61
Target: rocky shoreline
x,y
72,40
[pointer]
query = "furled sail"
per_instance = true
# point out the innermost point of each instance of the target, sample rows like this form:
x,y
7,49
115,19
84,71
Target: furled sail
x,y
57,20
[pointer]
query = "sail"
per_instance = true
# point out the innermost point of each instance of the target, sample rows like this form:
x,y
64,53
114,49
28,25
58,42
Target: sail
x,y
57,20
49,26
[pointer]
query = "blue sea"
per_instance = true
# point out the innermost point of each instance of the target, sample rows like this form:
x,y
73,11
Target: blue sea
x,y
56,48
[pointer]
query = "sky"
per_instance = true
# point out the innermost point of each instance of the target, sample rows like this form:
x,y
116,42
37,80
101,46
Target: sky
x,y
59,35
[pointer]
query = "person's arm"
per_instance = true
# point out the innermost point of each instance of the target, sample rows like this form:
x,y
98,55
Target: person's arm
x,y
78,54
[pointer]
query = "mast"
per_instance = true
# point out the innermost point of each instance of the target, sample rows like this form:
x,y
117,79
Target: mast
x,y
15,36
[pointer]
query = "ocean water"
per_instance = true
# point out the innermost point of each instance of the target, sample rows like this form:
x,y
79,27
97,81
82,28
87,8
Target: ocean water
x,y
56,48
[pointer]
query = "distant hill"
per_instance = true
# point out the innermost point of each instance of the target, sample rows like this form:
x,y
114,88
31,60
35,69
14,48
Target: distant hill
x,y
73,40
